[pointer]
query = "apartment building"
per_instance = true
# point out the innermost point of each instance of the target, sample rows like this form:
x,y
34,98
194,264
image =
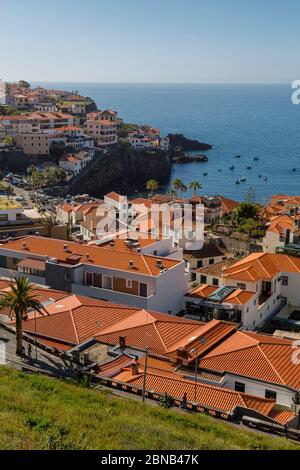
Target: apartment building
x,y
76,162
36,143
103,131
130,278
250,291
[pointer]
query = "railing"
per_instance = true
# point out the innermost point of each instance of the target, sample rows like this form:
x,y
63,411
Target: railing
x,y
156,396
271,428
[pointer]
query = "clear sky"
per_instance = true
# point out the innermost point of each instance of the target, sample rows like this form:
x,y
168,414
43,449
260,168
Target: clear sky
x,y
223,41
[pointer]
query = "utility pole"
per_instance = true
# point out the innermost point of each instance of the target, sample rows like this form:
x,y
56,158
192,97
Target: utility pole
x,y
145,374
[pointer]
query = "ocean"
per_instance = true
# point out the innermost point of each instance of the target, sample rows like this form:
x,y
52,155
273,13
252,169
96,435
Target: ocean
x,y
254,121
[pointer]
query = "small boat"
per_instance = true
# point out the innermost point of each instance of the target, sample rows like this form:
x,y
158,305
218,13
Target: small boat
x,y
249,167
294,169
204,174
259,176
256,159
237,156
243,179
266,178
237,181
219,170
232,167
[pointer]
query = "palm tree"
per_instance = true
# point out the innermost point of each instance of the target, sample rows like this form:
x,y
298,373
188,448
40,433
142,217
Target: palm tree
x,y
195,186
19,300
9,191
177,185
183,189
151,186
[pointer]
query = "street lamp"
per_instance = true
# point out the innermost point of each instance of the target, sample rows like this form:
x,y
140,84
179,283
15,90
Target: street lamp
x,y
194,350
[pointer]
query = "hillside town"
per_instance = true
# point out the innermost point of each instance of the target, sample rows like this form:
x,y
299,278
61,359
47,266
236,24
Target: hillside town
x,y
209,323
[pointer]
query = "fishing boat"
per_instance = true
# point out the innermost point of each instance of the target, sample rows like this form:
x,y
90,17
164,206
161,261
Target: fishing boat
x,y
204,174
243,179
249,167
237,181
232,167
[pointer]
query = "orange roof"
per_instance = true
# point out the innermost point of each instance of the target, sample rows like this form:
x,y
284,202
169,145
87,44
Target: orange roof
x,y
68,128
260,266
207,395
257,356
120,260
238,296
228,205
202,291
164,334
280,223
115,196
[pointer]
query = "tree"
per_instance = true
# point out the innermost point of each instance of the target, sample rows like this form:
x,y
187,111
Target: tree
x,y
19,300
176,185
195,186
9,140
183,189
151,186
250,196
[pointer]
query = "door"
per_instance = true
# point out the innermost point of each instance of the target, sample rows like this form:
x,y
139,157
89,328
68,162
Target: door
x,y
143,290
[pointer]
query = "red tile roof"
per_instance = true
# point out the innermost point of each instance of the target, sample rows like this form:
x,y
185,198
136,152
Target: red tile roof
x,y
262,266
120,260
257,356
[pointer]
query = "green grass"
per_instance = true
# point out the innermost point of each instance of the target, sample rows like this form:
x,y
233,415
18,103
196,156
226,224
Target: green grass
x,y
41,413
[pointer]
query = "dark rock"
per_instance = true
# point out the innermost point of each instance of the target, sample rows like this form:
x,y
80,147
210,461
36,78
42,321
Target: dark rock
x,y
187,145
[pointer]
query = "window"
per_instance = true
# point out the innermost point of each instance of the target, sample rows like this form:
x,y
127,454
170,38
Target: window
x,y
239,387
241,286
284,280
128,283
270,394
89,279
199,263
283,301
211,261
107,282
215,281
203,279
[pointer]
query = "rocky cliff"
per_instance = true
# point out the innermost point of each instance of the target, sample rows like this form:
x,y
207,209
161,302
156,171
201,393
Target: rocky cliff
x,y
121,170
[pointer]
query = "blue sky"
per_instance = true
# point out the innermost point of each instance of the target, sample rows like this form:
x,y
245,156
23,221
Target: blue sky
x,y
181,41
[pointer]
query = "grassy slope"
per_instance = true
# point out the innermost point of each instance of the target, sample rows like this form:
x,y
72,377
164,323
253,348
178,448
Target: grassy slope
x,y
42,413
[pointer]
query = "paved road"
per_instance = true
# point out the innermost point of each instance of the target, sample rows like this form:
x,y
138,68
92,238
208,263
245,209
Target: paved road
x,y
39,360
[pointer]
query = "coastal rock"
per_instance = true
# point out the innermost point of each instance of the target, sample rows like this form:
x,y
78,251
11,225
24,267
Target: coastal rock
x,y
187,145
121,170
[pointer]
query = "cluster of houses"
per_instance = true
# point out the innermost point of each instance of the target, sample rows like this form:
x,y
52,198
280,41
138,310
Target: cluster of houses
x,y
47,118
197,310
145,301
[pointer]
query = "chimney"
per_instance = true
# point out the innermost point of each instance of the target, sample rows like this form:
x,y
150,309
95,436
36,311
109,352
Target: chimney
x,y
181,355
112,243
159,264
24,246
87,256
135,367
65,247
122,342
131,264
